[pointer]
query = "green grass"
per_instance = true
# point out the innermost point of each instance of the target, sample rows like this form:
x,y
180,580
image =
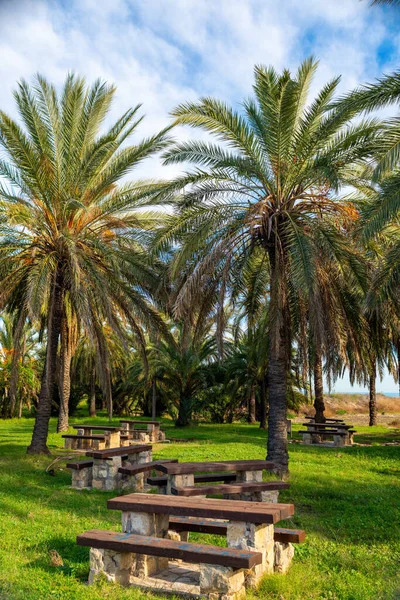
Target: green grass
x,y
347,500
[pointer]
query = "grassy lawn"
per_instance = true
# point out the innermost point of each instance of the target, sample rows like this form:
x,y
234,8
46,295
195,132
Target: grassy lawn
x,y
347,500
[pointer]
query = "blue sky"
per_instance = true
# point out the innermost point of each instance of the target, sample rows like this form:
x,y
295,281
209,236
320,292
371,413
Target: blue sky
x,y
162,52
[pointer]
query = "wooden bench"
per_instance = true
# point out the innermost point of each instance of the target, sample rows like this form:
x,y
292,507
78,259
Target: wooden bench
x,y
229,488
82,442
161,547
145,546
206,478
195,525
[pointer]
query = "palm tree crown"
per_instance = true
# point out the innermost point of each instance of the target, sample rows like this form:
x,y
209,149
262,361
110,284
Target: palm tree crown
x,y
70,234
275,171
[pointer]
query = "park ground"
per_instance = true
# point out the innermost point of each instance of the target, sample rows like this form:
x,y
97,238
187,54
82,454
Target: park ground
x,y
347,500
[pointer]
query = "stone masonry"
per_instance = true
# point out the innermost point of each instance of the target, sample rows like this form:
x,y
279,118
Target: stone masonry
x,y
148,524
82,478
283,555
257,538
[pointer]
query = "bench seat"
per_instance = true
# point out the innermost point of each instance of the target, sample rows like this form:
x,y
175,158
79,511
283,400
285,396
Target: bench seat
x,y
73,436
229,488
206,478
195,525
79,465
161,547
142,468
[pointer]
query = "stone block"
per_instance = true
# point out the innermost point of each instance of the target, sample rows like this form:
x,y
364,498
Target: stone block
x,y
179,481
257,538
249,476
221,580
283,555
82,479
307,438
115,566
145,524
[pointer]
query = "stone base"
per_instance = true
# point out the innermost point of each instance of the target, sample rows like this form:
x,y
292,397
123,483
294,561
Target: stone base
x,y
218,580
105,473
283,555
257,538
266,496
82,479
307,438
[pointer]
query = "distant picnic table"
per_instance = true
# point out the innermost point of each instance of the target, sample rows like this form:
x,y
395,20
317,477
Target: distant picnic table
x,y
315,433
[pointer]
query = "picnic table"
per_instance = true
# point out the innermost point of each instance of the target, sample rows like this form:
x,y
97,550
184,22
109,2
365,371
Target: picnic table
x,y
112,433
235,480
140,554
102,471
152,432
315,433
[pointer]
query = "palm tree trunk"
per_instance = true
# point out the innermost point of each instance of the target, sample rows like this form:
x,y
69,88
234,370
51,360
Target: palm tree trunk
x,y
15,361
92,393
38,443
64,384
318,387
154,400
183,419
277,447
252,405
372,396
263,403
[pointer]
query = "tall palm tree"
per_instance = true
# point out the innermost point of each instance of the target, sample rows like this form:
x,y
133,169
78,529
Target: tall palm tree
x,y
276,166
67,226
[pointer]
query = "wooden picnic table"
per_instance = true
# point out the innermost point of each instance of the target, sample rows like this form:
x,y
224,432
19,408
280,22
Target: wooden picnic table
x,y
182,477
342,433
112,433
254,546
152,427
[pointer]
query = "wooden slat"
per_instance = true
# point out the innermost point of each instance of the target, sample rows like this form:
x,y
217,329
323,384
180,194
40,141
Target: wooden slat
x,y
234,510
97,427
110,452
286,536
140,422
84,437
229,488
209,477
79,465
180,524
149,466
153,546
210,467
316,432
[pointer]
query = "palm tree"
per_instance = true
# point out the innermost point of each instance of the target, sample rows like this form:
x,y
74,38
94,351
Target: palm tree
x,y
67,226
278,165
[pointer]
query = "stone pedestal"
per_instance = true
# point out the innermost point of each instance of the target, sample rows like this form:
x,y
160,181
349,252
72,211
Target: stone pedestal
x,y
307,438
257,538
179,481
105,473
217,581
148,524
340,440
113,439
115,566
283,555
249,476
68,443
133,483
316,438
82,479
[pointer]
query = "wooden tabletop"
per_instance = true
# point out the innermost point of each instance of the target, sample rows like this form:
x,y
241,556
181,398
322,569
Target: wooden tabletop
x,y
124,450
231,510
140,421
97,427
211,467
330,425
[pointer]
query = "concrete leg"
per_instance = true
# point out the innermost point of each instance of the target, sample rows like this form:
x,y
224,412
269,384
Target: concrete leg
x,y
219,581
258,538
82,479
249,476
148,524
283,555
179,481
117,567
